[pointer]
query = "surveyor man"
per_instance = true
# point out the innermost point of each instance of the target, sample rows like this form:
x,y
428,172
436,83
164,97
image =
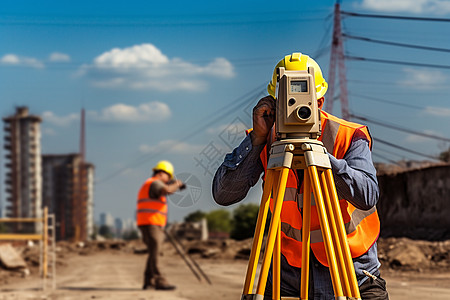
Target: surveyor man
x,y
349,149
151,217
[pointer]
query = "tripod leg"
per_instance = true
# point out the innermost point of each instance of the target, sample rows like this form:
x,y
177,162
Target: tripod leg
x,y
276,291
182,255
259,232
280,189
306,227
335,234
342,235
325,231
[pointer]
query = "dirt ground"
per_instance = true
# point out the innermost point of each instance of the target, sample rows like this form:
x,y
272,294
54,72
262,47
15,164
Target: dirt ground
x,y
117,274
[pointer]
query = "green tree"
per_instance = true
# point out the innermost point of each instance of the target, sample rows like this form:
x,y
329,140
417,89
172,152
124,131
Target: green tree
x,y
219,220
195,216
106,232
130,235
94,234
3,228
244,221
445,156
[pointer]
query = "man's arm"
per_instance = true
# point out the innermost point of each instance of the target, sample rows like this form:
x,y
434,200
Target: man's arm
x,y
242,167
355,176
159,188
238,173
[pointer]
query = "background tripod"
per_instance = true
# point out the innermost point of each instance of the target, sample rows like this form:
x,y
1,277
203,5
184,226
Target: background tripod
x,y
311,156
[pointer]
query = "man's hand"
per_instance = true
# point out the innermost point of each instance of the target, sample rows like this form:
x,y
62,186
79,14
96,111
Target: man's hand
x,y
263,119
174,185
182,185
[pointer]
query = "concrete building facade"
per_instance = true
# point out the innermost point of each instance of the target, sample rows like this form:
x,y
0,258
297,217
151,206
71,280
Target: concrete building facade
x,y
68,193
22,144
89,175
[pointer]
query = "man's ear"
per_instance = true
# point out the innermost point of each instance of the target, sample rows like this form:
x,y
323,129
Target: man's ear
x,y
320,102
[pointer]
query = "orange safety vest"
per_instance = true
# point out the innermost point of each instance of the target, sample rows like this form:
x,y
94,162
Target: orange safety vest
x,y
150,211
362,226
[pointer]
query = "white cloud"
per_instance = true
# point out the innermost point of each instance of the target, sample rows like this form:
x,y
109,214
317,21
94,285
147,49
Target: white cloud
x,y
16,60
146,67
173,147
438,111
10,59
423,79
48,116
59,57
146,112
118,113
49,132
438,7
412,138
232,128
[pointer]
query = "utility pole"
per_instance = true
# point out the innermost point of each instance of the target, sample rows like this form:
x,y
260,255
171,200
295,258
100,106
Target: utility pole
x,y
337,60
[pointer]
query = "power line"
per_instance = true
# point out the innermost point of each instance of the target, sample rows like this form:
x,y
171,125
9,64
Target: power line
x,y
170,15
405,149
402,84
238,62
390,125
397,62
386,159
76,65
377,83
399,128
219,114
352,14
361,38
323,45
150,23
389,152
389,101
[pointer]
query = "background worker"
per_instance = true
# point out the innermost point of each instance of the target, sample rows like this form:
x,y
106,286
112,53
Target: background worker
x,y
152,218
349,149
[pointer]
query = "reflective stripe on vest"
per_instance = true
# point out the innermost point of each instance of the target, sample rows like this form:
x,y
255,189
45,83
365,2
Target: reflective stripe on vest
x,y
290,194
316,235
300,200
150,200
362,227
150,211
329,134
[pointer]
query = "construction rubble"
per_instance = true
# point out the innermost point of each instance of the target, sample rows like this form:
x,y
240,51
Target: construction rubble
x,y
19,262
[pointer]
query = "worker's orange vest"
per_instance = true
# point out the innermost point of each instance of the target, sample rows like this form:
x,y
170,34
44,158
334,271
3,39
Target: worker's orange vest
x,y
362,226
150,211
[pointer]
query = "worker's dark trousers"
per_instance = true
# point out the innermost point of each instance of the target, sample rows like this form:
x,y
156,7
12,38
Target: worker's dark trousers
x,y
153,237
374,289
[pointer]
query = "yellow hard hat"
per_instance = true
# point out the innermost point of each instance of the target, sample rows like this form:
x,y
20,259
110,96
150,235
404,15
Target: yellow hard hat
x,y
299,62
165,166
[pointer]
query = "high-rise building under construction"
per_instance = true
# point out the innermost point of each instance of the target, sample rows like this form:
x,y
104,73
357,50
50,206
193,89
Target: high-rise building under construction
x,y
62,182
23,164
68,193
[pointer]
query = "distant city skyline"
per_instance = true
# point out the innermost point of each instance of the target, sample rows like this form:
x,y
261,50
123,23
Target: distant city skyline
x,y
107,219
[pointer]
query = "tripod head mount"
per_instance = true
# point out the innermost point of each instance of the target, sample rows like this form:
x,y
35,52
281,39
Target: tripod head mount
x,y
298,154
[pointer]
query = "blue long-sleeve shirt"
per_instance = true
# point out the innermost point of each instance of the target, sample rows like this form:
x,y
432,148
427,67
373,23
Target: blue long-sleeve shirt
x,y
355,179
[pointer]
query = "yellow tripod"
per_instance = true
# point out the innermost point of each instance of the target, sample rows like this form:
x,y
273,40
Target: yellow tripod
x,y
311,156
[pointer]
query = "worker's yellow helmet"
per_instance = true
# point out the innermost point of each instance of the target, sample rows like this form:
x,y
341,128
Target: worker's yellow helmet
x,y
165,166
299,62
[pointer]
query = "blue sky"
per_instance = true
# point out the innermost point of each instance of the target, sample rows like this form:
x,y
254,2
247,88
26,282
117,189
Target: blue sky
x,y
177,80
